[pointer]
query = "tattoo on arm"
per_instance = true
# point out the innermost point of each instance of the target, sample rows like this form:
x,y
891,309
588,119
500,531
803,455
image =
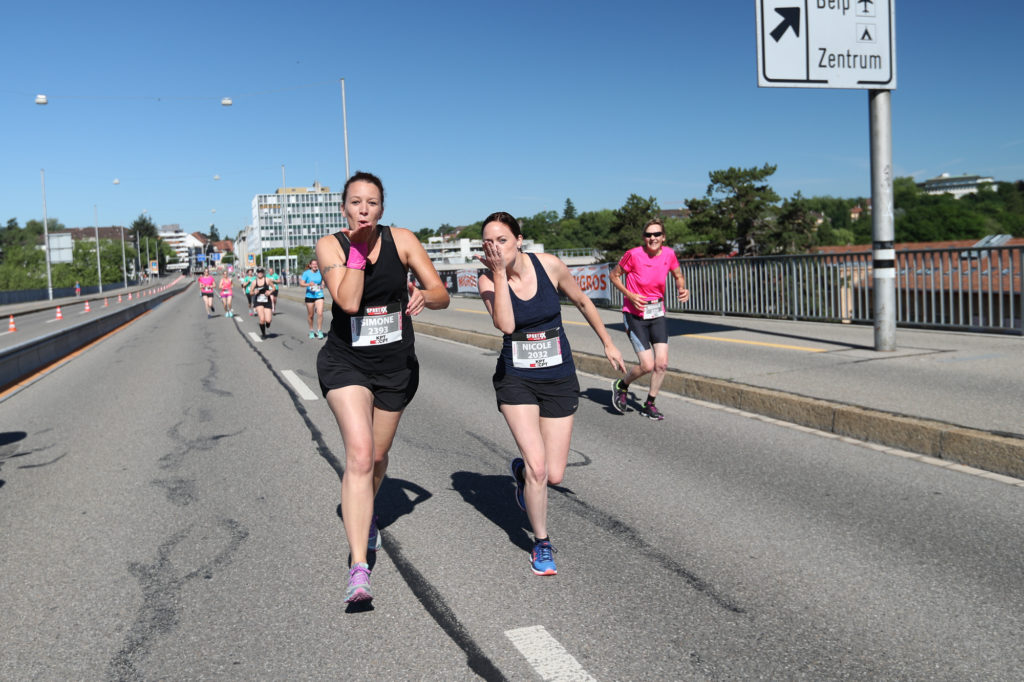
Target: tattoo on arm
x,y
331,267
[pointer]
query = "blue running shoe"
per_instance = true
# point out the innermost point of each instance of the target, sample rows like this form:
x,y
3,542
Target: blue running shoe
x,y
358,584
518,466
541,560
375,542
312,334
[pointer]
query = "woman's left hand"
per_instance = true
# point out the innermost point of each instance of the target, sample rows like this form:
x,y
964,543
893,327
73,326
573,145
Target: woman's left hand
x,y
615,357
416,301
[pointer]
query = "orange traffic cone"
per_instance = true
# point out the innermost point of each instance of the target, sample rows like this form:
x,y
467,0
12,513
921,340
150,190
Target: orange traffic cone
x,y
60,315
119,298
86,306
129,295
10,325
106,303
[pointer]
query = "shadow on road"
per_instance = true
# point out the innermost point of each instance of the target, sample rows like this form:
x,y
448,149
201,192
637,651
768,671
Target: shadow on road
x,y
493,497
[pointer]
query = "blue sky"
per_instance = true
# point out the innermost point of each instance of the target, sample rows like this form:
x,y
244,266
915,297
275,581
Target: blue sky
x,y
464,108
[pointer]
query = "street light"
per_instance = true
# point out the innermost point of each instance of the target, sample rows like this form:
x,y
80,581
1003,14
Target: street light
x,y
124,261
96,227
344,127
46,236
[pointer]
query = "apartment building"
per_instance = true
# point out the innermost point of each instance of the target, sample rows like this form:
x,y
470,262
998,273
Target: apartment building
x,y
293,216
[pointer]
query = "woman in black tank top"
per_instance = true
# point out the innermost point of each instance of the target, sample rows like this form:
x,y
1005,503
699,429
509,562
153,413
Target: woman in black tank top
x,y
535,380
368,370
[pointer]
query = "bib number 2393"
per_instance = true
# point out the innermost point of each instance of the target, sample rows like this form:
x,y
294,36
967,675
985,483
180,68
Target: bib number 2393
x,y
531,350
378,325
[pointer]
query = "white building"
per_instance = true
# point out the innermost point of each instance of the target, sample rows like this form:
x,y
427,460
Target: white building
x,y
454,254
308,214
957,185
183,243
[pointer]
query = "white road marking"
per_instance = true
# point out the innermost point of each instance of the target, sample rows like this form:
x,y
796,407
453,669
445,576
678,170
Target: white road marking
x,y
546,655
298,385
255,337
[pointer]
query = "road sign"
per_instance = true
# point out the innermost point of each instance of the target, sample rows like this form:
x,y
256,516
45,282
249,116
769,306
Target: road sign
x,y
154,267
826,44
200,257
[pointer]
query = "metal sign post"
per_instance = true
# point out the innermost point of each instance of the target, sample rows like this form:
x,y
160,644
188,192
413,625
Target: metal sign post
x,y
844,44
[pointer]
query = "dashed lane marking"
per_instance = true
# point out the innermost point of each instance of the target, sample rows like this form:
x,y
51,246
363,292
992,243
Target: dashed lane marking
x,y
545,655
300,387
255,337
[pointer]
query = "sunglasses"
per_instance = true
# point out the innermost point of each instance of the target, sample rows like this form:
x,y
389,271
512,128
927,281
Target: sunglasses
x,y
649,235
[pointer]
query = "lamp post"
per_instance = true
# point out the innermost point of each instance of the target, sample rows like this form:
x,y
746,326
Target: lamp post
x,y
284,223
344,127
124,261
96,227
46,237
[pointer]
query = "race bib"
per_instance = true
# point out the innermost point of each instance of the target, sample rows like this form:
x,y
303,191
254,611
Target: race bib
x,y
261,298
653,309
314,288
533,350
378,325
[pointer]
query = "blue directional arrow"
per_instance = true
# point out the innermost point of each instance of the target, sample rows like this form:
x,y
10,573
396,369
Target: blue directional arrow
x,y
790,17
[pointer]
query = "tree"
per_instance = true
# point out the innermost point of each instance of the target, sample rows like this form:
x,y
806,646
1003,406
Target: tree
x,y
214,235
630,219
143,225
795,229
569,212
735,210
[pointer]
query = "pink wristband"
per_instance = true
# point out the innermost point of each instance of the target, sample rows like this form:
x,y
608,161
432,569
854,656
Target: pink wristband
x,y
356,257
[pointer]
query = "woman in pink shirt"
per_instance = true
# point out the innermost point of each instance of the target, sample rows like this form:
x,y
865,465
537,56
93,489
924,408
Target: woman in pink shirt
x,y
643,311
206,290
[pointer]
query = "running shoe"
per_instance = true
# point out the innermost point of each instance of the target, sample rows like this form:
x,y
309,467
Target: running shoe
x,y
541,560
518,466
651,411
358,584
620,396
319,334
374,544
312,334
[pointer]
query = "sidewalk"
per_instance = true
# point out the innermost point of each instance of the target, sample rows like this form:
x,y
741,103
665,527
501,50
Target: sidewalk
x,y
952,395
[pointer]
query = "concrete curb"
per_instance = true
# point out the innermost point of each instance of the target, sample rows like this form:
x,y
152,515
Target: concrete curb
x,y
962,445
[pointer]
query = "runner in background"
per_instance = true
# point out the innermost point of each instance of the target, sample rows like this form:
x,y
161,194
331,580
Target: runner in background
x,y
643,312
246,286
206,283
313,281
535,379
276,279
368,369
227,293
262,289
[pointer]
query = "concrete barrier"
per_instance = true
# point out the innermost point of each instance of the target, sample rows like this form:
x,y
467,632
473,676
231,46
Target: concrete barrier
x,y
23,360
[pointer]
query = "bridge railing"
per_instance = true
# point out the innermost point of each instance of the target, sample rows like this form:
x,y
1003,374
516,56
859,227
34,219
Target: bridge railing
x,y
967,289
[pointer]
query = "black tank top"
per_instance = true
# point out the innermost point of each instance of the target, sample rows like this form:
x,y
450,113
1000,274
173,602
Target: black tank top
x,y
381,309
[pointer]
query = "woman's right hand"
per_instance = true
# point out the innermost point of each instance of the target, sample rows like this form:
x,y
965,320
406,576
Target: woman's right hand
x,y
492,258
638,300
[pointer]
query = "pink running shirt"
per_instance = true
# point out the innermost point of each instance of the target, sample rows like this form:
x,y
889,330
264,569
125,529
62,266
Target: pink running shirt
x,y
206,284
646,274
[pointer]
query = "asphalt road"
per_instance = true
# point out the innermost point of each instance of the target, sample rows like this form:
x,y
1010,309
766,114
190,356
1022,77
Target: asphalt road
x,y
168,506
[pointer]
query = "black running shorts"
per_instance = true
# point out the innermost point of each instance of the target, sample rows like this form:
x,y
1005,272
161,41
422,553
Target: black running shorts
x,y
644,333
392,391
555,397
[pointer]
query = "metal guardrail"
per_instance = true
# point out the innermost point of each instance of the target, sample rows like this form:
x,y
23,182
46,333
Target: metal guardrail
x,y
972,289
